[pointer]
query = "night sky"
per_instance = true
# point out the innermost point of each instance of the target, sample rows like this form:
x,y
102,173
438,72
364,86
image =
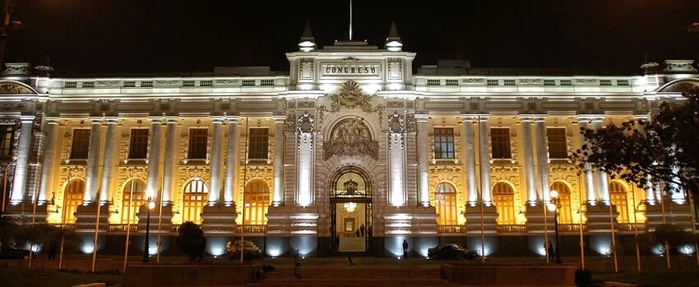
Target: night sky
x,y
186,36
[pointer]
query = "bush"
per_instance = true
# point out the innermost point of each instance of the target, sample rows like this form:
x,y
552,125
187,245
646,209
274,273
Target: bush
x,y
192,241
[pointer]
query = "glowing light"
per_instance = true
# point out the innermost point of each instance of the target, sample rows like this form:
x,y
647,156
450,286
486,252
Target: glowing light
x,y
87,248
686,249
350,207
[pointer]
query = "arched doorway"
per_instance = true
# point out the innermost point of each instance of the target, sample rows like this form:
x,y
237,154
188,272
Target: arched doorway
x,y
351,210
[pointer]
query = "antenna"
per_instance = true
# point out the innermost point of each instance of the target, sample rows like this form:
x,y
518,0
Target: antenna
x,y
350,21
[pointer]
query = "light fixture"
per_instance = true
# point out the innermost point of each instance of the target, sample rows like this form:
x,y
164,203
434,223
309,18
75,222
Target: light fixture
x,y
350,206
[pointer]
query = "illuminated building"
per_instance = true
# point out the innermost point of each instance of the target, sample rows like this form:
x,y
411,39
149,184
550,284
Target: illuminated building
x,y
350,141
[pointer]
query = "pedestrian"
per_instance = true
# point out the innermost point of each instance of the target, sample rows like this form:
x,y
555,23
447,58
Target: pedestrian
x,y
362,230
405,248
551,252
337,242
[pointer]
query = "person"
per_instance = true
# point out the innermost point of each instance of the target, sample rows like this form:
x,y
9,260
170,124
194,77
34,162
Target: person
x,y
297,266
337,242
230,249
349,261
362,230
405,248
551,253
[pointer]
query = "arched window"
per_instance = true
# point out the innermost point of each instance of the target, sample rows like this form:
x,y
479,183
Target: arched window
x,y
257,201
618,197
445,203
195,195
73,196
504,200
130,204
565,213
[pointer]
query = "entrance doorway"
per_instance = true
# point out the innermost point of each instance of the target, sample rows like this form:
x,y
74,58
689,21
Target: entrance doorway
x,y
351,211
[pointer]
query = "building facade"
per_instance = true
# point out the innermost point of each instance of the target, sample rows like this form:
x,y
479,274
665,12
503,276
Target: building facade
x,y
349,151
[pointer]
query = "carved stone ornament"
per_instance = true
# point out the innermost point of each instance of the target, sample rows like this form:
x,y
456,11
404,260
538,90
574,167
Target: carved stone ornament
x,y
14,89
350,96
304,124
351,137
395,123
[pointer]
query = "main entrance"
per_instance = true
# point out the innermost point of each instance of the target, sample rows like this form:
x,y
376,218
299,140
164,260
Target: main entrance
x,y
351,210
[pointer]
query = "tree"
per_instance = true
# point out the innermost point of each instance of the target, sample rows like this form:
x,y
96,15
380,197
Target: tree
x,y
664,147
192,240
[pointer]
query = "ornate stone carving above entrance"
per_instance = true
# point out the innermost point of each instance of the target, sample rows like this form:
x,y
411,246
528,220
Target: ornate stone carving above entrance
x,y
14,89
351,137
351,96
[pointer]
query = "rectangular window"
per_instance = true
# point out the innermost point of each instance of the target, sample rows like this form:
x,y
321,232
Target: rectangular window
x,y
81,144
500,141
197,143
557,142
138,147
258,144
443,143
6,142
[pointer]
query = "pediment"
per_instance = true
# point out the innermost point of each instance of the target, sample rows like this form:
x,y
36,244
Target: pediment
x,y
15,88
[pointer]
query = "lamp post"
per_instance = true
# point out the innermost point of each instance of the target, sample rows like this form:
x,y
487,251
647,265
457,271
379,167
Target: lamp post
x,y
554,206
146,245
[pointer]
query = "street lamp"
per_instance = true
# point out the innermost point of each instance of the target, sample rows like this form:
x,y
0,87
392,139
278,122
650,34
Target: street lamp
x,y
554,206
150,206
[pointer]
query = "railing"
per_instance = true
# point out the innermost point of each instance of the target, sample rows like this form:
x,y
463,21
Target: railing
x,y
451,229
512,228
251,229
572,227
640,227
122,227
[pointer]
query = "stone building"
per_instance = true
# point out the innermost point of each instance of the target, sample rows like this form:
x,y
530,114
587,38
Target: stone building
x,y
350,151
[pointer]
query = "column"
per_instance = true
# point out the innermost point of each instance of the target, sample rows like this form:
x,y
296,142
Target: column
x,y
486,192
22,162
542,158
528,156
170,160
589,175
278,160
215,163
108,161
231,161
650,193
93,162
603,179
47,168
470,159
423,185
154,159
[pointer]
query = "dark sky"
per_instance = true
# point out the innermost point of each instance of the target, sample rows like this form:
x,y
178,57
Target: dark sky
x,y
146,36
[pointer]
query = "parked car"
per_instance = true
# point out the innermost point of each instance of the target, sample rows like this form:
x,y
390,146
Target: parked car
x,y
14,253
451,251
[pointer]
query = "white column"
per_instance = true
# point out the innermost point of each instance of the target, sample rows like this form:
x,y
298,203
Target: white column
x,y
231,161
650,193
22,163
170,160
93,162
470,159
152,182
304,171
603,179
528,156
396,167
47,168
108,161
542,157
486,193
423,184
589,175
278,160
215,171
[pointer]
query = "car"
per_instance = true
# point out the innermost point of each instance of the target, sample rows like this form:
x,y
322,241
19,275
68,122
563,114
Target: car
x,y
14,253
451,251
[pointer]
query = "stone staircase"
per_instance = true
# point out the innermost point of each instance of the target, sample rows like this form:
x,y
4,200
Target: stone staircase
x,y
344,275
